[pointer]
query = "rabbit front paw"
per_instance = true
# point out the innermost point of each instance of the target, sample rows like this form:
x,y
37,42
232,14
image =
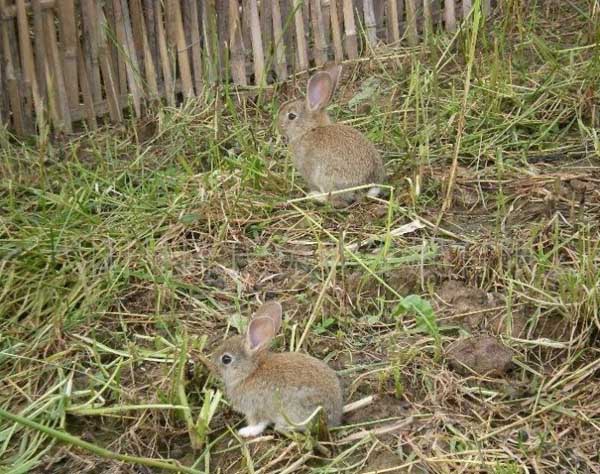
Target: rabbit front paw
x,y
252,430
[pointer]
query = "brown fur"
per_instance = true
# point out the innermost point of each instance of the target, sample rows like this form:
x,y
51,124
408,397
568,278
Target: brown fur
x,y
277,387
329,156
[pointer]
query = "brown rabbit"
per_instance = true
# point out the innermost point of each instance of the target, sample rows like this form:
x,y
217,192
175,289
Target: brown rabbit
x,y
279,388
329,156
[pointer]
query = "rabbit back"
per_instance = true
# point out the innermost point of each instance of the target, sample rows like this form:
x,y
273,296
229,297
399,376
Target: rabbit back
x,y
336,156
289,385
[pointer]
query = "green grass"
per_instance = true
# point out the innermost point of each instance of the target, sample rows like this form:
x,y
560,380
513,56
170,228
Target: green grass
x,y
124,255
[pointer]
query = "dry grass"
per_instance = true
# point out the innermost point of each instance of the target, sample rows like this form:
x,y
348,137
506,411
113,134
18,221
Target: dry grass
x,y
126,252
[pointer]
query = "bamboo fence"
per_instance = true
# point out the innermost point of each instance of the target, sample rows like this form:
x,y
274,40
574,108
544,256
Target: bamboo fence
x,y
70,62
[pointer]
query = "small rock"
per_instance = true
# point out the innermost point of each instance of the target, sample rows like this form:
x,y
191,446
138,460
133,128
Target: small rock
x,y
484,355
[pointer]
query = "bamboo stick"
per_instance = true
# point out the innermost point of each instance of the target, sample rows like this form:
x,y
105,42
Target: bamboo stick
x,y
10,12
150,22
68,37
191,7
56,76
370,22
27,62
12,86
40,51
257,45
350,30
302,53
278,41
320,44
138,20
209,31
122,42
487,7
86,91
167,65
112,97
131,63
4,113
466,8
393,24
178,37
90,49
266,24
449,16
222,35
379,6
427,19
336,34
236,44
111,43
411,23
326,8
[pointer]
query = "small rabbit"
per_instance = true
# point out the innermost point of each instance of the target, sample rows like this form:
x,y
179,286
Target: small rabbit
x,y
329,156
279,388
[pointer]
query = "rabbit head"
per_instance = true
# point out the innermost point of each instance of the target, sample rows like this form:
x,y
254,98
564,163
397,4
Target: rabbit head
x,y
299,116
237,357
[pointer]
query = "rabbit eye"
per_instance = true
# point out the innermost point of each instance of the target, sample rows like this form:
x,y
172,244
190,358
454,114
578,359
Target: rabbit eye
x,y
226,359
291,115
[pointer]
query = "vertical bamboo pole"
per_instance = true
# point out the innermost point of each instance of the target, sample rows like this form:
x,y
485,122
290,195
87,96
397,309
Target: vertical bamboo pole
x,y
131,62
350,30
55,72
380,15
14,95
222,35
27,62
40,50
191,7
393,25
411,23
122,42
209,31
487,7
167,68
236,44
178,40
266,24
68,30
86,91
300,38
449,16
257,46
150,21
90,36
336,34
318,28
112,97
427,19
139,28
370,22
279,41
466,8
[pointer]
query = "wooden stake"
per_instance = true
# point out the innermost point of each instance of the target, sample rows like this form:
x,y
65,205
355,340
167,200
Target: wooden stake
x,y
320,44
336,34
279,41
350,30
302,52
449,16
411,23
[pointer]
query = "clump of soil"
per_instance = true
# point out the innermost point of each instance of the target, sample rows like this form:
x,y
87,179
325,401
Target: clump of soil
x,y
483,355
474,309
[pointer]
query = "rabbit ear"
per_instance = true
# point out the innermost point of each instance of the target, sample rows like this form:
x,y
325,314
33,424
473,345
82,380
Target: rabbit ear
x,y
259,334
335,73
271,310
319,91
